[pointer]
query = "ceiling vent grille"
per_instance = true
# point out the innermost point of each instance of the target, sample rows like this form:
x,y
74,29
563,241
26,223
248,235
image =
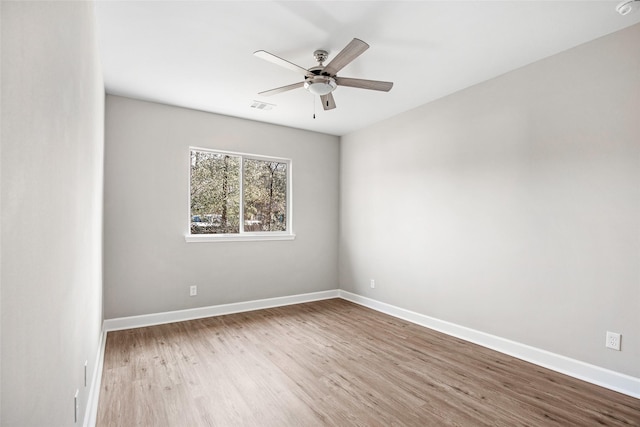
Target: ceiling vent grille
x,y
259,105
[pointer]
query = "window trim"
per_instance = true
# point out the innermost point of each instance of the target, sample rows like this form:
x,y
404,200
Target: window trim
x,y
243,236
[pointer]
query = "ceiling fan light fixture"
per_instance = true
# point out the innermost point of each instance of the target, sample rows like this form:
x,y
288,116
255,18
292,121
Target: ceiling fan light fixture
x,y
320,85
627,6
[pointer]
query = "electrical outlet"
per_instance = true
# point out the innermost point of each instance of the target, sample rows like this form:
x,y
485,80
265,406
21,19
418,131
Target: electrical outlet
x,y
373,283
193,291
613,340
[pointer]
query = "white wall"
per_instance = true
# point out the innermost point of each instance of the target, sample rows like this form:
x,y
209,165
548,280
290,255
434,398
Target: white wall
x,y
511,207
148,264
52,156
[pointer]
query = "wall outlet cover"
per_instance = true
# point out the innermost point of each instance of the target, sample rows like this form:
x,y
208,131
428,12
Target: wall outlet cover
x,y
613,340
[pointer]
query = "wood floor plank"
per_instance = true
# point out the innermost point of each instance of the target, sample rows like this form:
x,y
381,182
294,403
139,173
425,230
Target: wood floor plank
x,y
334,363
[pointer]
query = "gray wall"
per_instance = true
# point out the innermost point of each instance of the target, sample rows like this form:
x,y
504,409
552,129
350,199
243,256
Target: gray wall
x,y
148,264
51,251
511,207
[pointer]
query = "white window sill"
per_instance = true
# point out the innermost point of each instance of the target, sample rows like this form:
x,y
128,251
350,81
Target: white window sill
x,y
244,237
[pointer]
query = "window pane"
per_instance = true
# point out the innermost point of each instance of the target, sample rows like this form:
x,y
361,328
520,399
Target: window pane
x,y
265,195
215,193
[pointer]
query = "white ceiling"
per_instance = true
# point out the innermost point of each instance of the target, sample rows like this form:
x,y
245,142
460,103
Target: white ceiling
x,y
199,54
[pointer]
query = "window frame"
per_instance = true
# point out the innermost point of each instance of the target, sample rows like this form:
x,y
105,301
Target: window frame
x,y
242,235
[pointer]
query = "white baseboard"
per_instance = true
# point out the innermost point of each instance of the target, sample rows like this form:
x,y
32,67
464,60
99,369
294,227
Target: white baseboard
x,y
91,413
214,310
606,378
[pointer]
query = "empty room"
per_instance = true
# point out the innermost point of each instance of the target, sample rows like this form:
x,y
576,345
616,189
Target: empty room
x,y
320,213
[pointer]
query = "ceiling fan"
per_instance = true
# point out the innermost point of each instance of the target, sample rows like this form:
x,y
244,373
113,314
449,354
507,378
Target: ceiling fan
x,y
323,79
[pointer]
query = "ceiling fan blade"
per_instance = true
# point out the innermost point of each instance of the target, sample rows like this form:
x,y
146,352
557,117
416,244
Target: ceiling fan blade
x,y
281,89
328,103
346,55
364,84
281,62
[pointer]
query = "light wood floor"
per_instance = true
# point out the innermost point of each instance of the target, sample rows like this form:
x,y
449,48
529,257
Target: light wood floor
x,y
334,363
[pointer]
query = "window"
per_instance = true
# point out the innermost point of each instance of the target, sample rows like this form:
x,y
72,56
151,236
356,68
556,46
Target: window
x,y
225,187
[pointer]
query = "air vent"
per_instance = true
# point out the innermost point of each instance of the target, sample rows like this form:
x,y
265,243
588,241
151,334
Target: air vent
x,y
259,105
